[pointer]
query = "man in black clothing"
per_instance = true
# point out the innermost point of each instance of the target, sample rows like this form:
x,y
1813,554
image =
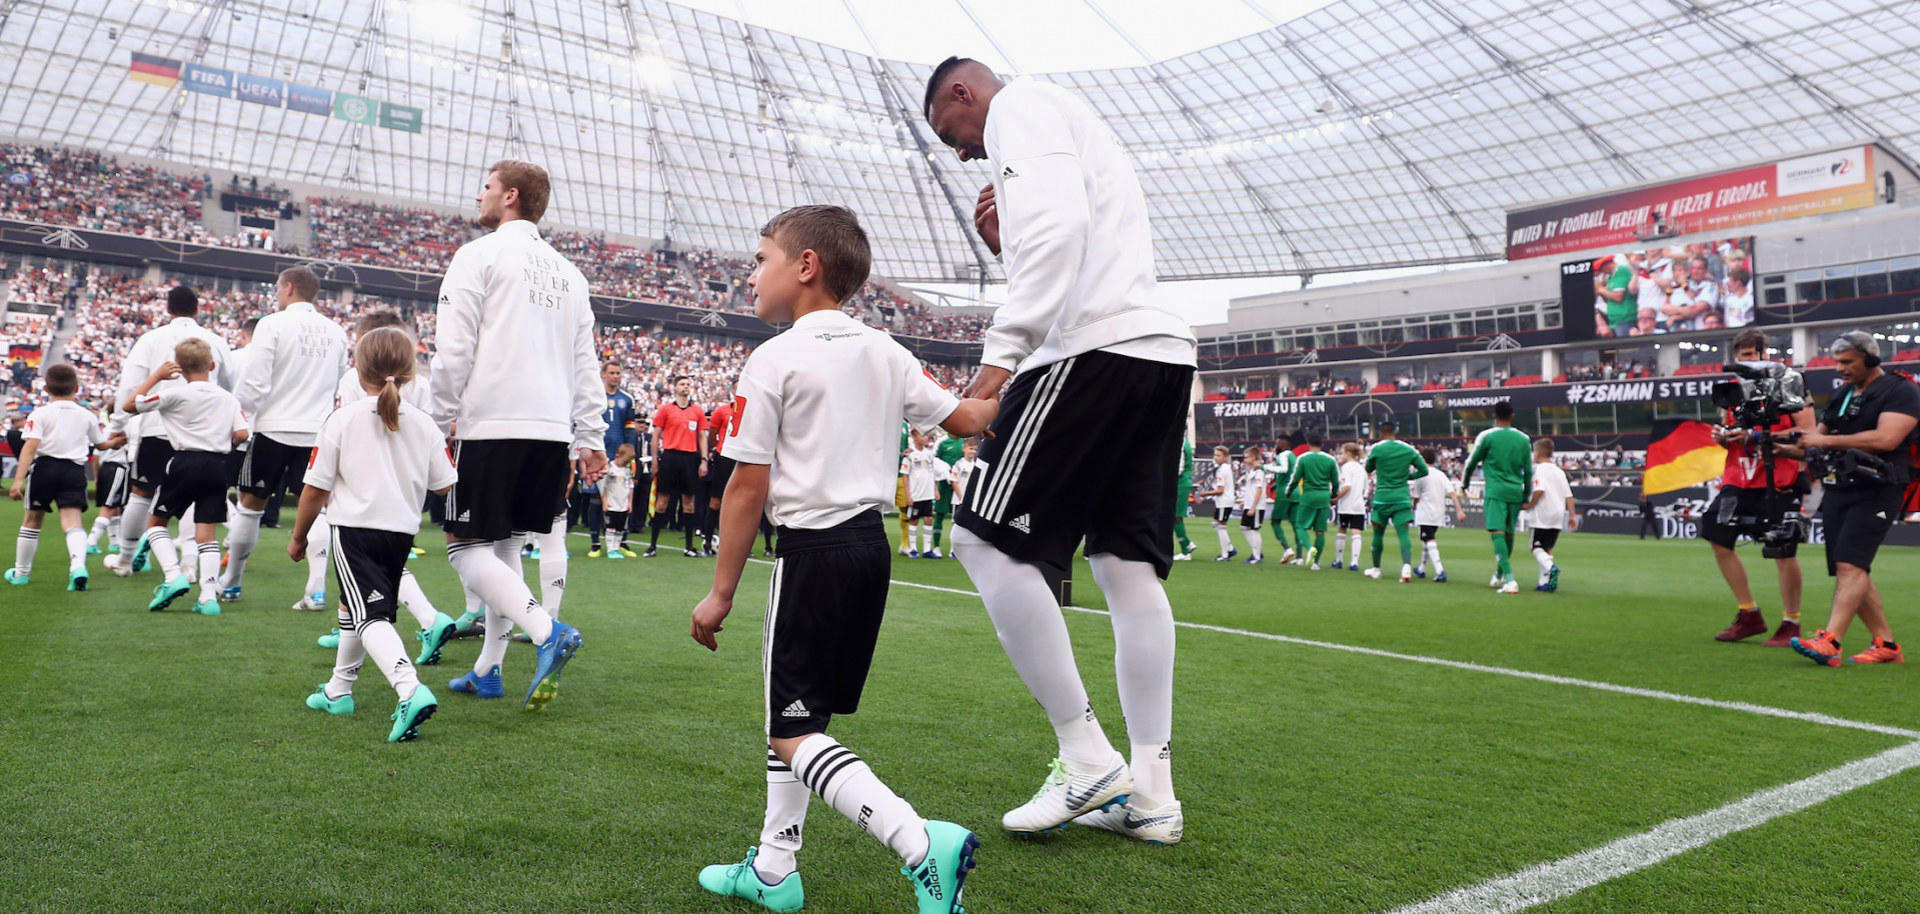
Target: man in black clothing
x,y
1647,519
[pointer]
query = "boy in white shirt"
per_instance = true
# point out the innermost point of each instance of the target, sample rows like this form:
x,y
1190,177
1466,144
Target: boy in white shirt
x,y
963,470
1223,494
922,468
1549,510
1350,505
1253,502
822,401
203,423
109,490
52,475
375,462
1430,496
616,500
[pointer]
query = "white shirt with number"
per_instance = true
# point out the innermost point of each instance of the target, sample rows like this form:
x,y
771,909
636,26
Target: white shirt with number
x,y
65,430
1353,478
379,478
1434,498
1550,512
616,489
1223,480
962,474
822,403
1253,490
287,384
199,416
923,476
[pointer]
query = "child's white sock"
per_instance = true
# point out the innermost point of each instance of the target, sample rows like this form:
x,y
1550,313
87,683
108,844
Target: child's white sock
x,y
319,548
24,548
209,571
243,534
780,833
839,777
1253,540
1226,539
553,565
1545,559
187,540
346,662
1339,548
76,548
1354,549
133,523
160,544
99,529
415,600
383,644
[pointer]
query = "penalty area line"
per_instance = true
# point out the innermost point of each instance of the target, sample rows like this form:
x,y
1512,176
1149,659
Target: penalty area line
x,y
1553,881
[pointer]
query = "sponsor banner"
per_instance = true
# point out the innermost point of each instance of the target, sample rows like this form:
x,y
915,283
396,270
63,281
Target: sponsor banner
x,y
356,109
309,99
158,71
1809,185
270,92
1641,391
209,81
400,117
19,177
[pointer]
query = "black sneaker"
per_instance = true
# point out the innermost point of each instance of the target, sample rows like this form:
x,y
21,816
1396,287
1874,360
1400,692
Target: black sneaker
x,y
651,552
691,553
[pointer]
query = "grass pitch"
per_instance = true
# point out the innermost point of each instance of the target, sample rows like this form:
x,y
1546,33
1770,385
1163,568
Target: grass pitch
x,y
159,762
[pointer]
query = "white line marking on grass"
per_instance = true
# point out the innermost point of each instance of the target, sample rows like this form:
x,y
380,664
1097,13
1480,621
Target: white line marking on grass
x,y
1561,878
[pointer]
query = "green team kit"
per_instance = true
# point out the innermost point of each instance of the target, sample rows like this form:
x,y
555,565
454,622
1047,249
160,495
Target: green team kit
x,y
1279,469
1506,454
1183,498
1312,485
1392,462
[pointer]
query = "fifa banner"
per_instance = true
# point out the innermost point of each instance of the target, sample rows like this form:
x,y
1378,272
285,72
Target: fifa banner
x,y
273,93
1824,183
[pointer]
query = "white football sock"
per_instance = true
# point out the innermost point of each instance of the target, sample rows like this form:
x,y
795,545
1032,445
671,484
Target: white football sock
x,y
415,600
474,603
113,529
389,653
188,540
1433,549
1544,557
1226,539
319,548
1143,640
493,645
76,548
133,523
99,529
502,585
346,660
209,571
1339,548
160,544
1253,540
1033,631
1353,549
780,833
553,565
243,534
851,788
24,548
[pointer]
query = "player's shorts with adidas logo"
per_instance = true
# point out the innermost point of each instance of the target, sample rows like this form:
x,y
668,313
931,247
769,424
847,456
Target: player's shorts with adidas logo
x,y
824,608
53,483
110,485
506,485
193,479
150,462
368,564
269,464
1253,520
1087,447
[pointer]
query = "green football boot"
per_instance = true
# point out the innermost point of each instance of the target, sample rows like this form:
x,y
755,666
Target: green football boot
x,y
320,702
939,879
16,577
434,639
168,592
77,579
411,713
740,880
207,607
331,640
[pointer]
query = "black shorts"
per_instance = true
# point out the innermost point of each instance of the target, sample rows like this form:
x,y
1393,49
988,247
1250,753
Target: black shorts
x,y
194,479
1352,521
679,473
1857,519
236,461
1222,516
368,564
824,608
1734,512
110,486
1113,424
150,463
270,464
54,483
920,510
1544,538
1427,532
1253,520
719,470
506,484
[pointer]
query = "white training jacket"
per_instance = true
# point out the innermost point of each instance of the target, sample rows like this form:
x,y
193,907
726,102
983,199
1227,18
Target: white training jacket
x,y
154,348
1073,235
289,372
515,353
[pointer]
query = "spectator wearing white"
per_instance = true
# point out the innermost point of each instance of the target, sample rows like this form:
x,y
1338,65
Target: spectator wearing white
x,y
293,366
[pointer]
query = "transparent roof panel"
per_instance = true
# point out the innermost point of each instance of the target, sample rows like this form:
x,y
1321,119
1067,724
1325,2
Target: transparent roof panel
x,y
1360,134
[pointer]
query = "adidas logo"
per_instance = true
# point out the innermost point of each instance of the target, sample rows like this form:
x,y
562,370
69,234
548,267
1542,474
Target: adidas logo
x,y
1021,523
1008,172
790,833
465,517
376,597
1880,514
795,710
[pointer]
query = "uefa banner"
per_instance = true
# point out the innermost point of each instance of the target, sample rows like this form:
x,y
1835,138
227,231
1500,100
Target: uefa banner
x,y
1810,185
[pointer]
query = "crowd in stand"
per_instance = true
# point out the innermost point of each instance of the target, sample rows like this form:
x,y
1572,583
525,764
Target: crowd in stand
x,y
1609,371
84,189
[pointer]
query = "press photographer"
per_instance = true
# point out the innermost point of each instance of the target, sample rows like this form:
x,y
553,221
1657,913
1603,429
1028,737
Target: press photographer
x,y
1860,451
1760,492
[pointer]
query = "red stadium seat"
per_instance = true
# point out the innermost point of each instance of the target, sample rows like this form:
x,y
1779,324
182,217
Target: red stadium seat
x,y
1259,394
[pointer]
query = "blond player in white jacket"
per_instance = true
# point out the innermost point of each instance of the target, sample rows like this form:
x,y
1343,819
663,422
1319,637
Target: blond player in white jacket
x,y
516,384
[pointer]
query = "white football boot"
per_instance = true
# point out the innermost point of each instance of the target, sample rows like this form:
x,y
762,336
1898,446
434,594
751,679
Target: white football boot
x,y
1066,795
1154,826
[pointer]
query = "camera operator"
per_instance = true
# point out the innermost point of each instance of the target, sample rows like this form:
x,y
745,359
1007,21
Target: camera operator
x,y
1742,508
1860,450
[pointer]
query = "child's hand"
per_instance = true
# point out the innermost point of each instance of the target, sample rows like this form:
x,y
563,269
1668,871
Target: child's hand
x,y
165,371
297,548
119,440
17,491
707,618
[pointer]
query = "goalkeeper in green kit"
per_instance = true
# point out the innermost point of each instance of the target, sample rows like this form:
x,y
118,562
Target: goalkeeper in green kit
x,y
1392,462
1183,503
1312,485
1278,469
1506,454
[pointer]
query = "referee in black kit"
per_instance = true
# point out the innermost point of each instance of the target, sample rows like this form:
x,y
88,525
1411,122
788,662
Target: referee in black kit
x,y
1866,437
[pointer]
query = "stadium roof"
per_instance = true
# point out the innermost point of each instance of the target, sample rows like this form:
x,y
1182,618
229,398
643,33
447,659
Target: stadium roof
x,y
1363,134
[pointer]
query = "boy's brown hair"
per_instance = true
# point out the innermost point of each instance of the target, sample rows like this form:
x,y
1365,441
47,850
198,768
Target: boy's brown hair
x,y
834,234
193,356
62,380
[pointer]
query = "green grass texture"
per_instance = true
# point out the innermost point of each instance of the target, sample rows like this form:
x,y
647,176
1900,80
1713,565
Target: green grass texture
x,y
166,762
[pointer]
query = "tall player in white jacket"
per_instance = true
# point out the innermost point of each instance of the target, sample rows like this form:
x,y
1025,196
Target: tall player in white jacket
x,y
287,389
154,447
1101,378
516,384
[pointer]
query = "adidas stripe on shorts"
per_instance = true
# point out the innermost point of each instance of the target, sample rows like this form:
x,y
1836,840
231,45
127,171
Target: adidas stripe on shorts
x,y
824,607
368,564
1087,447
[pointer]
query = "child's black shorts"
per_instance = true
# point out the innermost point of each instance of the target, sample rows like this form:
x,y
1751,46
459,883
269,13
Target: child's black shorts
x,y
194,479
1352,521
369,564
824,607
53,483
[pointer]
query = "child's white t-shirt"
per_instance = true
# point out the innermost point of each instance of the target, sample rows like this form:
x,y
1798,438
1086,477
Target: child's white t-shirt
x,y
1353,477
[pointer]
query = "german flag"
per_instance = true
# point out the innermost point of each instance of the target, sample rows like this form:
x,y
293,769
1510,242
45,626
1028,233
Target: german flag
x,y
1681,453
24,352
156,70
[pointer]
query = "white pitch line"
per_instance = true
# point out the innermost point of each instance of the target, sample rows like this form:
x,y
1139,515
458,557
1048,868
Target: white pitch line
x,y
1561,878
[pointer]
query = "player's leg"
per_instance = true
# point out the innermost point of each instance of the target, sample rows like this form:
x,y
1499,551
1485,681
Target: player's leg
x,y
335,696
1501,519
1353,547
657,523
1221,516
1250,531
1340,542
369,564
262,471
27,544
209,513
1543,543
689,520
1379,543
940,513
313,594
553,565
1401,522
73,523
